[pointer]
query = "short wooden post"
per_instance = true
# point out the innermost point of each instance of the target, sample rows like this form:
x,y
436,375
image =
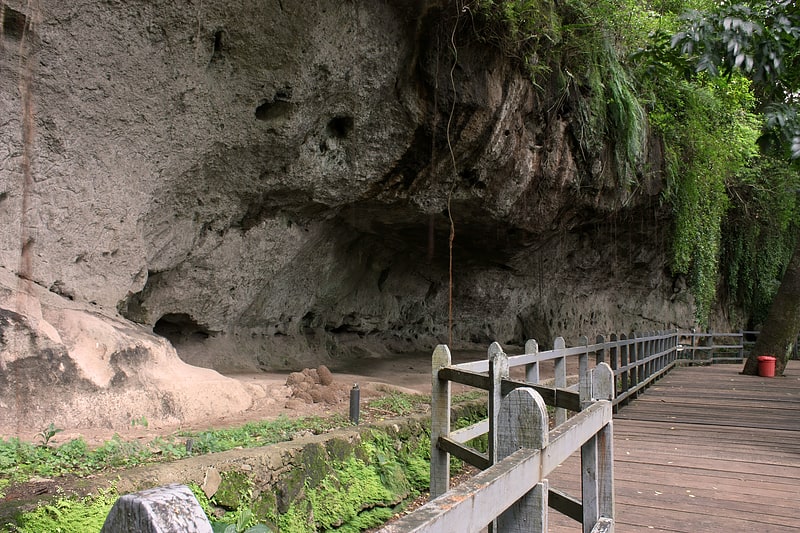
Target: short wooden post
x,y
498,371
635,358
589,484
600,357
532,369
603,389
440,422
741,344
560,370
522,423
623,362
643,369
584,378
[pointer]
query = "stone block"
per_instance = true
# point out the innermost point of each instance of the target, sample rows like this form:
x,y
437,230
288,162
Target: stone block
x,y
167,509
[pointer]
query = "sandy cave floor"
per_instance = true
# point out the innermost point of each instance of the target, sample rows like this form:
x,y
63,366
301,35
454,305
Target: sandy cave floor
x,y
272,398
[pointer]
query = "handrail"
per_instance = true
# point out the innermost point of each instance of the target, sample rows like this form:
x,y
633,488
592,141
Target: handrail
x,y
584,431
631,362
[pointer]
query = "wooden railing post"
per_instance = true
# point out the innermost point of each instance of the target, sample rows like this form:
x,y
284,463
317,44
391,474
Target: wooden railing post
x,y
601,353
623,362
597,475
636,354
440,422
741,344
584,378
532,369
560,370
522,423
498,371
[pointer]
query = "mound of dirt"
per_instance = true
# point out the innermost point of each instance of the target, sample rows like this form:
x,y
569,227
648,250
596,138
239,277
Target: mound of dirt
x,y
315,385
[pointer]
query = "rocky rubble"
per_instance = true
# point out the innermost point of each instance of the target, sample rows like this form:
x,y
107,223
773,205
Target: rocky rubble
x,y
316,385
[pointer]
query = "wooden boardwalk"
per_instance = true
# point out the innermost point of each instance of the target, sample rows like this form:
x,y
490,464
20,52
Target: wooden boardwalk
x,y
704,450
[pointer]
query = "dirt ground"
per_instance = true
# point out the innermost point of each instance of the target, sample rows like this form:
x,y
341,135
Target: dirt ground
x,y
277,394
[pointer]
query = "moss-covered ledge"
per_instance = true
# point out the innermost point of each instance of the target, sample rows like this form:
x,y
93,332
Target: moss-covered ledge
x,y
344,480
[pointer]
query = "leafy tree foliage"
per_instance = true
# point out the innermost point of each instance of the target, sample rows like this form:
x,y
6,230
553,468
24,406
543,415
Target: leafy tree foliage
x,y
761,39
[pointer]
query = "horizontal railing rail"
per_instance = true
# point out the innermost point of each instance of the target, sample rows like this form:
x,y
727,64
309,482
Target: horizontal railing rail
x,y
580,432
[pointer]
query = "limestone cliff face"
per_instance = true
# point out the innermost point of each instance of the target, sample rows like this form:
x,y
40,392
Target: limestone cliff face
x,y
269,183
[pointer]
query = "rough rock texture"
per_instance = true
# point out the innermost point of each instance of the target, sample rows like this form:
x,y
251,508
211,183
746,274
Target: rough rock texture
x,y
78,368
159,510
271,185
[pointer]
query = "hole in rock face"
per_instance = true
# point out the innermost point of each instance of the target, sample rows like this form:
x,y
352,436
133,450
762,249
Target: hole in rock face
x,y
13,23
273,109
219,37
340,127
180,328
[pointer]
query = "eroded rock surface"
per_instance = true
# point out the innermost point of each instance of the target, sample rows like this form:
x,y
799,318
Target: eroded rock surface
x,y
271,185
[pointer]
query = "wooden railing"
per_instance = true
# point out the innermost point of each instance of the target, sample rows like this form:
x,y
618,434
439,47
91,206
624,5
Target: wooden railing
x,y
512,488
716,347
512,492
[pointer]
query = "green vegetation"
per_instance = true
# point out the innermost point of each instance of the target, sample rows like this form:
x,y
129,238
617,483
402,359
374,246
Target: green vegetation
x,y
19,460
613,64
67,515
398,403
339,485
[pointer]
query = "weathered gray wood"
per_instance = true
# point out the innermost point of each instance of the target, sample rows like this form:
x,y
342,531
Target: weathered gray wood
x,y
523,423
532,369
167,509
636,355
470,432
565,504
602,382
498,371
440,421
584,379
564,440
624,371
600,356
472,378
604,525
589,491
564,398
470,506
597,471
605,472
465,453
560,377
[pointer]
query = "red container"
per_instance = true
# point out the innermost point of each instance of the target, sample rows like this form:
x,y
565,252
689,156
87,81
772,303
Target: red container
x,y
766,366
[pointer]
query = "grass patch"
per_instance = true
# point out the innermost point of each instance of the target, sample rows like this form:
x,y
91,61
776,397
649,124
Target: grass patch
x,y
67,515
20,460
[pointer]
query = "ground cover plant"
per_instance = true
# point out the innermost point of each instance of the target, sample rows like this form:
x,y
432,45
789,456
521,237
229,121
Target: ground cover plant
x,y
386,471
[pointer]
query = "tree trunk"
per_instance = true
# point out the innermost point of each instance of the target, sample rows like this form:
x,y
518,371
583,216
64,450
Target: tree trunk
x,y
782,325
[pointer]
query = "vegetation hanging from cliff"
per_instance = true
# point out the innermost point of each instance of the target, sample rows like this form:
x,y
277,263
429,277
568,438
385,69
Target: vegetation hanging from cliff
x,y
618,58
574,44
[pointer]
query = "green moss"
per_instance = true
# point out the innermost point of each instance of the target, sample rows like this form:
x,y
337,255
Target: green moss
x,y
367,519
339,449
339,499
67,515
234,490
265,507
314,461
289,488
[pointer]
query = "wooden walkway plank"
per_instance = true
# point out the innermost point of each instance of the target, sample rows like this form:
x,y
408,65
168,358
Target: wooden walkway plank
x,y
704,450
